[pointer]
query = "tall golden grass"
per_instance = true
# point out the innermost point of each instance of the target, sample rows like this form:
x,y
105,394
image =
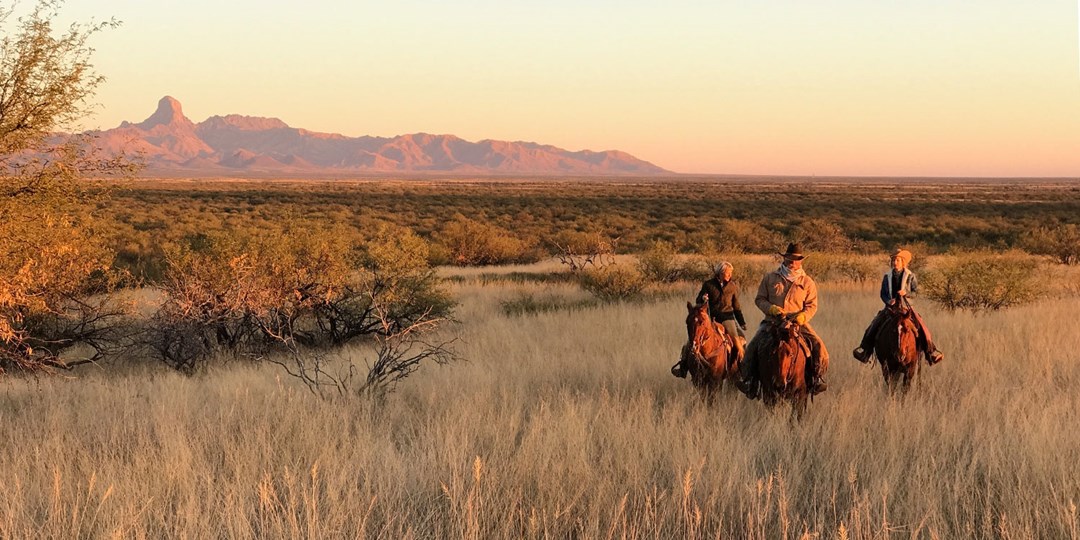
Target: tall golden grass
x,y
566,425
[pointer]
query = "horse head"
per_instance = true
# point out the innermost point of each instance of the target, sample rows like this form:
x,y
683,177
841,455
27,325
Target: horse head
x,y
901,314
697,320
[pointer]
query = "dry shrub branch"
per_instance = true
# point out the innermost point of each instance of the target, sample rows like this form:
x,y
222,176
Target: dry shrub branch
x,y
297,291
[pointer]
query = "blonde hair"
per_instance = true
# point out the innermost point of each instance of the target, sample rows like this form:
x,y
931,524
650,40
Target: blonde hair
x,y
719,268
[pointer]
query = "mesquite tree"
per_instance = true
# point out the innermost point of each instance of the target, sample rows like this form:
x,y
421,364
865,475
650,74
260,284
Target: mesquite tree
x,y
54,272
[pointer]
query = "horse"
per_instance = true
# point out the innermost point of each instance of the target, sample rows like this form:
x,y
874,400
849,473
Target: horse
x,y
707,355
896,347
781,366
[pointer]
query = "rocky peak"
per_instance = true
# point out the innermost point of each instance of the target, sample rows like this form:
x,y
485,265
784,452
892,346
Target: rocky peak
x,y
169,113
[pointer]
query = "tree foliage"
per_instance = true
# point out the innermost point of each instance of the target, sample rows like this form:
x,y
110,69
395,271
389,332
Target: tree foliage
x,y
53,269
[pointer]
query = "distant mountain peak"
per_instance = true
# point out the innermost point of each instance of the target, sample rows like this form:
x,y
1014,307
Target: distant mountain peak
x,y
169,112
172,144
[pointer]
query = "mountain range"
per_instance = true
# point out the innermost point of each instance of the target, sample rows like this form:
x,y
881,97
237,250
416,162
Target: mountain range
x,y
234,145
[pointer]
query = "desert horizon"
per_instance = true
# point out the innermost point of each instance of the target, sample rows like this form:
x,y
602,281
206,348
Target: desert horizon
x,y
282,322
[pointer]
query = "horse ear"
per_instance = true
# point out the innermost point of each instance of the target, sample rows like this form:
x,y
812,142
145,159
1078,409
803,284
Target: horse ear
x,y
689,306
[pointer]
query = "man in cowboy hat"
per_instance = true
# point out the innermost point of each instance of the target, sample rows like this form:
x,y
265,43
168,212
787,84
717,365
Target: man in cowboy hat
x,y
787,293
897,286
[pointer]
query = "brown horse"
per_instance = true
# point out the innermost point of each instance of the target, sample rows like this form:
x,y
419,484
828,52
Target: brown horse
x,y
781,365
896,347
707,356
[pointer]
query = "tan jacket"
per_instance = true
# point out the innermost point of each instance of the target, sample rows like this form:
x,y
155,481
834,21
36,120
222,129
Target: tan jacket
x,y
792,297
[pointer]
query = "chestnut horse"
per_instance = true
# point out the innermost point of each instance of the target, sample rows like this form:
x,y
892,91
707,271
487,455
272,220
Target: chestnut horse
x,y
896,347
781,365
707,355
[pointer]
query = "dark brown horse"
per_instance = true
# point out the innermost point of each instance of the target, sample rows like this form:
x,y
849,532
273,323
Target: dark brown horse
x,y
896,347
781,365
707,354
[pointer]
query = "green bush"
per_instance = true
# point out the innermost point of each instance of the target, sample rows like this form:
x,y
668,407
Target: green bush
x,y
246,293
1059,241
613,283
660,264
983,281
843,267
822,235
740,236
476,243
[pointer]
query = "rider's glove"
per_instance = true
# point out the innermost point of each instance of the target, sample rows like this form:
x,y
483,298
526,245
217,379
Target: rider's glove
x,y
800,318
775,310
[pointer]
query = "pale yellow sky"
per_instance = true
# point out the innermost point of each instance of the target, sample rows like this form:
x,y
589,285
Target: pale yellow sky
x,y
843,87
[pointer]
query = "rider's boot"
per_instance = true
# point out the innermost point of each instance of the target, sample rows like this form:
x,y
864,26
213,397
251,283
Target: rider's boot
x,y
678,370
934,357
745,381
817,381
861,354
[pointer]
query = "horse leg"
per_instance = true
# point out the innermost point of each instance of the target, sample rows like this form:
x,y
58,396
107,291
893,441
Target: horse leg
x,y
892,381
768,397
798,407
910,373
886,376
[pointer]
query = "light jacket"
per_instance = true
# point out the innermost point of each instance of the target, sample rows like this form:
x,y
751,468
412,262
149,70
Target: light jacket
x,y
908,283
793,297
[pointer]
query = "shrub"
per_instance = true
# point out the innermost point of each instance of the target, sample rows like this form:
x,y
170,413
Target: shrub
x,y
982,281
822,235
739,236
613,283
746,269
475,243
578,250
1059,241
842,267
660,264
248,293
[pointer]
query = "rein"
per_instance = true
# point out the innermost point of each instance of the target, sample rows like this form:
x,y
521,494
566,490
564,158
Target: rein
x,y
703,336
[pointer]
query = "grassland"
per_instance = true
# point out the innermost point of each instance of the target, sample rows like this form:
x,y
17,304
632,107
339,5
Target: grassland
x,y
692,216
565,424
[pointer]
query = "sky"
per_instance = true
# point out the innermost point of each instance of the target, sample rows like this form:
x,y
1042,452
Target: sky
x,y
770,87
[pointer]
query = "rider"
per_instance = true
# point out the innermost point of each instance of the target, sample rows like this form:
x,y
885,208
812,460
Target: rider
x,y
787,293
897,285
724,308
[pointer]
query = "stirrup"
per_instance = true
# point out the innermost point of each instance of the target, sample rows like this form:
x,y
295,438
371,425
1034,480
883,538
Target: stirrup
x,y
678,370
818,386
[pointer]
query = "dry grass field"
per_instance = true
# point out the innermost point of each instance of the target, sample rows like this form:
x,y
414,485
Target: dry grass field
x,y
565,425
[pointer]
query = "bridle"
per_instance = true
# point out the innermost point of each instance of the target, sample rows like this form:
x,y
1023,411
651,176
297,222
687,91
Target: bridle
x,y
702,335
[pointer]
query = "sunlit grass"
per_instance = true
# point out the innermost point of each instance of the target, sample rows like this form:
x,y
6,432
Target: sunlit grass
x,y
565,424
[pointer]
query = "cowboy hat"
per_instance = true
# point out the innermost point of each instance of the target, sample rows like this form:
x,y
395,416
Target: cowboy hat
x,y
794,252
